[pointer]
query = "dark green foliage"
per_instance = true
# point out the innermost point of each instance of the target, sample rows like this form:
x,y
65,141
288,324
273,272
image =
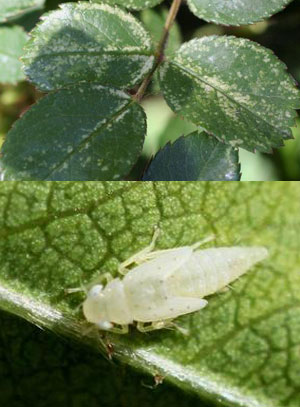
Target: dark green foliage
x,y
206,159
74,137
234,89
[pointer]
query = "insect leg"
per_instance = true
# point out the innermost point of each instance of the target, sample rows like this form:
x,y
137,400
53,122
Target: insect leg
x,y
145,327
80,289
121,329
140,256
106,344
195,246
148,254
85,288
75,290
100,279
202,242
180,329
224,289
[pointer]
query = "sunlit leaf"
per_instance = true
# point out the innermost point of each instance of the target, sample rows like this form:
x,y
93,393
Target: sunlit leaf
x,y
241,350
88,42
131,4
14,8
12,40
233,88
86,132
235,12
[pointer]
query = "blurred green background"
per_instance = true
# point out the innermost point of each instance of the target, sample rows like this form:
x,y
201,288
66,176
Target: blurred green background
x,y
280,33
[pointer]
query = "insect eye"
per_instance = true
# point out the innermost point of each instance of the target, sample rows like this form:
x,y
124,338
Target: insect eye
x,y
105,325
95,291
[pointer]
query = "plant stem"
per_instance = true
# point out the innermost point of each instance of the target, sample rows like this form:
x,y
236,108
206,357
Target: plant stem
x,y
159,53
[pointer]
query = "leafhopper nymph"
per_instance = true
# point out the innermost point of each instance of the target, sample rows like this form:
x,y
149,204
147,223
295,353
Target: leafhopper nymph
x,y
165,284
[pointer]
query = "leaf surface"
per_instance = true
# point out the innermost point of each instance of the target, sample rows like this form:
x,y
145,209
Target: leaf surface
x,y
12,40
241,350
195,157
132,4
86,132
233,88
235,12
14,8
49,369
88,42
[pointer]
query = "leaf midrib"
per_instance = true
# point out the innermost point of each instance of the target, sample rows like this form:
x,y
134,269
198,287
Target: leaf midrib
x,y
194,75
93,53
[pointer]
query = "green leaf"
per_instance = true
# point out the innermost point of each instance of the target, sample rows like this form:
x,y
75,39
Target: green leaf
x,y
196,157
235,12
86,132
58,373
88,42
241,350
233,88
14,8
154,21
131,4
12,40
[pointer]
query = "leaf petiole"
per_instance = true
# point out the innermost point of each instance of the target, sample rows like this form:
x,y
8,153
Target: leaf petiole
x,y
159,53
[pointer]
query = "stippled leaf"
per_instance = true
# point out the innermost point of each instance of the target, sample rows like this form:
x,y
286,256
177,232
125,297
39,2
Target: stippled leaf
x,y
12,40
234,89
131,4
235,12
241,350
86,132
196,157
14,8
88,42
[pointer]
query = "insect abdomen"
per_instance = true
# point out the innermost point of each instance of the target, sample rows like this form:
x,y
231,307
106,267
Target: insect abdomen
x,y
210,270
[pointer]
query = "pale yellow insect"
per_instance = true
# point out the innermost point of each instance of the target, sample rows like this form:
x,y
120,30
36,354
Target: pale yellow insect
x,y
165,284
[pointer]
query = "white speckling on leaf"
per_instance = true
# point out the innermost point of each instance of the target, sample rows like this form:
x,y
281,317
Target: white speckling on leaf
x,y
131,4
88,42
234,89
98,136
236,12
